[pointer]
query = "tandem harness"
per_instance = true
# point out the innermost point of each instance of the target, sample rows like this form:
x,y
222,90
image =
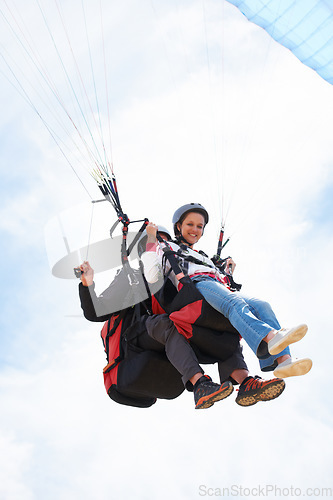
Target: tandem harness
x,y
183,254
137,371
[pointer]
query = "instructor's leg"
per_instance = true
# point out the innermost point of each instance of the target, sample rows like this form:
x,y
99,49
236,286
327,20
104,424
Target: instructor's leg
x,y
177,349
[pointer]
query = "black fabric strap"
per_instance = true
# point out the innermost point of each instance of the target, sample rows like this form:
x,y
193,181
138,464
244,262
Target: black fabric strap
x,y
170,255
137,236
112,330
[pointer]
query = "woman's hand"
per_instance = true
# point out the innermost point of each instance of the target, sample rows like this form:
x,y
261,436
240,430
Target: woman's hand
x,y
87,276
151,230
230,266
227,265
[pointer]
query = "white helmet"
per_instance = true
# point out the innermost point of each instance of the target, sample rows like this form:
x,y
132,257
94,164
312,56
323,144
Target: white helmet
x,y
183,210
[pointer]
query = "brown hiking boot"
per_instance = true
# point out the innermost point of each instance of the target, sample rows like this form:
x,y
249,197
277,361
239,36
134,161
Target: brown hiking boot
x,y
254,389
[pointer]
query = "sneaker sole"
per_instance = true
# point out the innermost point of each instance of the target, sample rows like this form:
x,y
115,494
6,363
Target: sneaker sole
x,y
208,401
291,338
270,392
295,369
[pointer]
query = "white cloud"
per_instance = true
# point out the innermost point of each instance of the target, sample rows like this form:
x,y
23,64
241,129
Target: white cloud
x,y
15,466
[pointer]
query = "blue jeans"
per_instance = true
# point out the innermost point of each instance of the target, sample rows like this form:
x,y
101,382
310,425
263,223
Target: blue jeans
x,y
252,318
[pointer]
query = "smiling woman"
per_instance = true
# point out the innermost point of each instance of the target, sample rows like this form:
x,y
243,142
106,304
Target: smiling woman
x,y
191,223
254,319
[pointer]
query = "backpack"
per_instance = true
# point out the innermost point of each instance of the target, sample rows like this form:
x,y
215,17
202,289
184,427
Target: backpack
x,y
138,371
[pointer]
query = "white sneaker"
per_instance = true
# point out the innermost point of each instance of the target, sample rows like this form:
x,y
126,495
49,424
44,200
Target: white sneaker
x,y
285,337
290,368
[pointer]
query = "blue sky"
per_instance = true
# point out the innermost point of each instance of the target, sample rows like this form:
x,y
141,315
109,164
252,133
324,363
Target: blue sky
x,y
182,130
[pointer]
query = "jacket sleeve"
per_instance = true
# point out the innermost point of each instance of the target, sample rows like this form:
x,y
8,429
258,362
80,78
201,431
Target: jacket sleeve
x,y
87,297
152,263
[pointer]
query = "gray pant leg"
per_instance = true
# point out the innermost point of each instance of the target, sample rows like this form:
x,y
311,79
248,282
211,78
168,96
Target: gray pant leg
x,y
235,362
178,350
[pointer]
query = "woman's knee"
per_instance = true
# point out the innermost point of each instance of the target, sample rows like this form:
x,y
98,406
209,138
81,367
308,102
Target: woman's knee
x,y
259,305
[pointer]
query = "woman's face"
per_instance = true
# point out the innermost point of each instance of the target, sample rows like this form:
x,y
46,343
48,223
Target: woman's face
x,y
192,227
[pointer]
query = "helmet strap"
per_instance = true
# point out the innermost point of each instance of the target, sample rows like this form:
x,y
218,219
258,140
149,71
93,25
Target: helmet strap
x,y
181,239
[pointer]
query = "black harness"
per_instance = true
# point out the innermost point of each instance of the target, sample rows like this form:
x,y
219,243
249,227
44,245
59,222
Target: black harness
x,y
185,258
